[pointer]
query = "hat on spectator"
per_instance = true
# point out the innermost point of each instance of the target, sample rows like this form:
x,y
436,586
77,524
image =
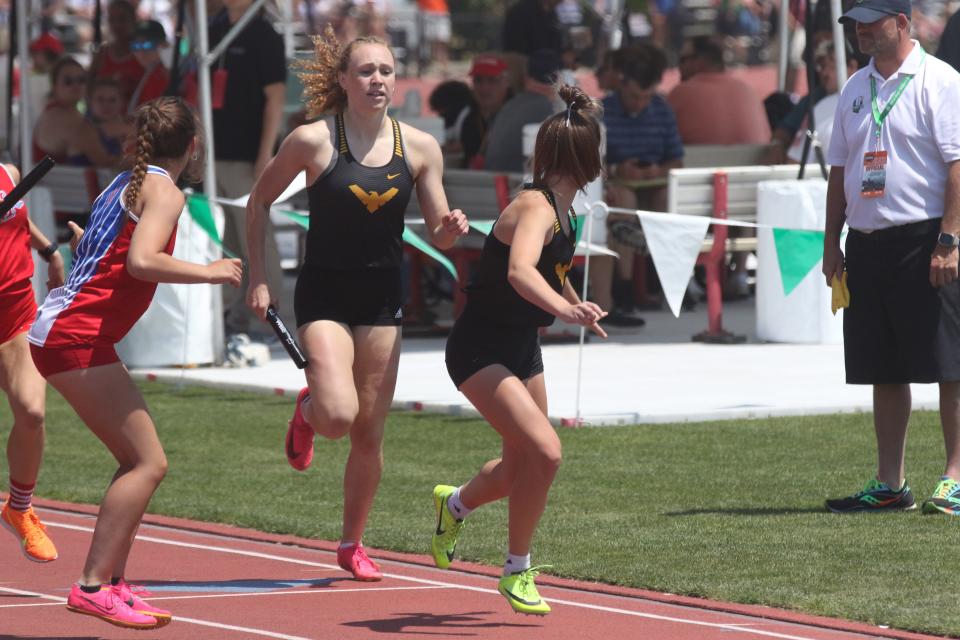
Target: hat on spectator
x,y
868,11
148,34
47,42
488,66
543,65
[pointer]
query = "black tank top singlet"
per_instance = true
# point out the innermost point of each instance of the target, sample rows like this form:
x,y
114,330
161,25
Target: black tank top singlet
x,y
356,211
491,296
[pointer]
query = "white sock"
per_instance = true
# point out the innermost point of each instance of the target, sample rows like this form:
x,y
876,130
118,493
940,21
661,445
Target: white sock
x,y
516,564
456,506
347,543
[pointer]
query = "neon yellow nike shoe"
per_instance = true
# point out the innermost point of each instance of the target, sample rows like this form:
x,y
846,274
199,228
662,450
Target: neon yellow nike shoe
x,y
448,527
520,591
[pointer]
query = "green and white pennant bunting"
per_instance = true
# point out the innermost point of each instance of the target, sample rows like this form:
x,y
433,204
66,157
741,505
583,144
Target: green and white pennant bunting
x,y
198,205
674,242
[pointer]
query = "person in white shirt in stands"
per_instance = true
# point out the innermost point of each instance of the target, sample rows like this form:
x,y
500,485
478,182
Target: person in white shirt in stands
x,y
895,180
825,61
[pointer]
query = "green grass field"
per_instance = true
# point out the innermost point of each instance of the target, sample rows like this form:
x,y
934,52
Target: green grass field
x,y
726,510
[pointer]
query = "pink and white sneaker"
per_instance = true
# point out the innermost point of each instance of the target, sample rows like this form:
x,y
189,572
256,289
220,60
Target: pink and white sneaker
x,y
299,442
133,596
107,605
355,560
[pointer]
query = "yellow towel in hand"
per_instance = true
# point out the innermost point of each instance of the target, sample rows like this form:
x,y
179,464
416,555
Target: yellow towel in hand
x,y
840,294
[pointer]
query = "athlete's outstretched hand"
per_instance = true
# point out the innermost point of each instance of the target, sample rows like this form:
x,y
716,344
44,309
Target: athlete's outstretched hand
x,y
77,235
226,271
258,299
455,223
586,314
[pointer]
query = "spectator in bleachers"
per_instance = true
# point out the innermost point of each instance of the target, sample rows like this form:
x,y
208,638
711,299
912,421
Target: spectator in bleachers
x,y
436,31
61,130
372,17
711,105
44,52
245,130
825,62
714,107
532,25
148,38
610,72
114,59
607,73
531,106
786,130
491,90
106,112
452,100
949,49
643,143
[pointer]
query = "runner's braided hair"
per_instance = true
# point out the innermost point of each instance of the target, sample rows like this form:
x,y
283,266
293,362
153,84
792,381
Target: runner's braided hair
x,y
322,92
568,142
165,127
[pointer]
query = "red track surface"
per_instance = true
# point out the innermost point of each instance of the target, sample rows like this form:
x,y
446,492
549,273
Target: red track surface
x,y
223,582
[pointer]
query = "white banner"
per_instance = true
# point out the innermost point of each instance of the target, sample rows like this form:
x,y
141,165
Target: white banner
x,y
674,242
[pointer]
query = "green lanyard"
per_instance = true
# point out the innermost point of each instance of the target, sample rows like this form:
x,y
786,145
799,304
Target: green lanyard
x,y
880,116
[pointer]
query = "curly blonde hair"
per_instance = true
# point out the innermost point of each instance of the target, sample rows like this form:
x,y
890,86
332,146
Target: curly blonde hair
x,y
322,93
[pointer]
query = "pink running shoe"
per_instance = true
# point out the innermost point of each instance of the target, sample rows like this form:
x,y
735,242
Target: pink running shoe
x,y
299,444
131,595
107,605
354,559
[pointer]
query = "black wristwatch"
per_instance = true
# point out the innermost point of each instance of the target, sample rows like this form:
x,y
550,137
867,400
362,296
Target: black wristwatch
x,y
948,240
47,252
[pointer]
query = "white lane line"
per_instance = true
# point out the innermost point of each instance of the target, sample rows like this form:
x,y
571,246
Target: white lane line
x,y
199,596
582,605
176,619
292,593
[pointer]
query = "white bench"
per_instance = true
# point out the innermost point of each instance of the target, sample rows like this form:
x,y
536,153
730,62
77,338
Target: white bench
x,y
696,156
722,192
74,189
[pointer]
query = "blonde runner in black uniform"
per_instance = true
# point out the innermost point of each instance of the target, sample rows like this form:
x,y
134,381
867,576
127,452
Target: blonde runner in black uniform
x,y
493,354
361,167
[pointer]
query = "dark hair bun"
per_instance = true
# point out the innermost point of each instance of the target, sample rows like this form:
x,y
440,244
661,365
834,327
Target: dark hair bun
x,y
577,100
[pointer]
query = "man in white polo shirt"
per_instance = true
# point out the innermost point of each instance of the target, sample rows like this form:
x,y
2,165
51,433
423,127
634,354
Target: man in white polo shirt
x,y
895,180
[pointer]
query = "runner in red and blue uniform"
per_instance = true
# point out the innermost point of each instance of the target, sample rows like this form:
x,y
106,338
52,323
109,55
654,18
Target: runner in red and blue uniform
x,y
125,251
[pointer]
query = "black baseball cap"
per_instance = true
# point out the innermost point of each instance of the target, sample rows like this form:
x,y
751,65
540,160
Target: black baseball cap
x,y
543,65
149,33
868,11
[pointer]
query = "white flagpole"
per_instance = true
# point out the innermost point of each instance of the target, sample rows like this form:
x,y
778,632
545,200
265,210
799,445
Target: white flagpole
x,y
586,290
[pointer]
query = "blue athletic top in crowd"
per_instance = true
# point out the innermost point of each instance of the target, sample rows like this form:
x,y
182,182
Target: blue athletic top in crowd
x,y
650,136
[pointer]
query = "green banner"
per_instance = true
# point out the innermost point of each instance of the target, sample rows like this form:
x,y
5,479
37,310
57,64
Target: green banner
x,y
299,218
798,252
483,226
417,242
409,237
199,207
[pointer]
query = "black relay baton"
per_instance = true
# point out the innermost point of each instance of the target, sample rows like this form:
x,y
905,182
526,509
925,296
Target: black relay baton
x,y
28,182
286,339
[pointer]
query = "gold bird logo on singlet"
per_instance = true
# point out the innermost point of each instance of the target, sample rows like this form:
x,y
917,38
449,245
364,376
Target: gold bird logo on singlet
x,y
562,270
371,199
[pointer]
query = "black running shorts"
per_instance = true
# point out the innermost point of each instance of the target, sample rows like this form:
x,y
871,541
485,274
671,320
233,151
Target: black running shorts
x,y
475,344
363,297
899,328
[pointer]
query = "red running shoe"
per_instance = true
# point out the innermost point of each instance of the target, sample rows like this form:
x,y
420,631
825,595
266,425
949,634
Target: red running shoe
x,y
299,443
131,595
355,560
107,605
